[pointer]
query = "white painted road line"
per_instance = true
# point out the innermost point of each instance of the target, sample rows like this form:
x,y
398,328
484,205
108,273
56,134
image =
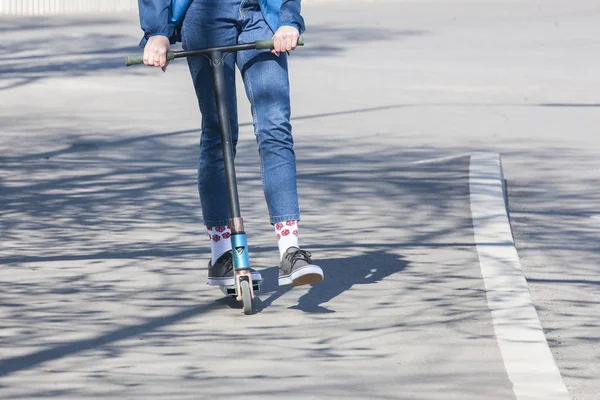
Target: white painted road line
x,y
440,159
527,357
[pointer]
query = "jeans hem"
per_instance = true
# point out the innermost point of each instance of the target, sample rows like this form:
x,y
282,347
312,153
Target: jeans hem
x,y
282,218
221,222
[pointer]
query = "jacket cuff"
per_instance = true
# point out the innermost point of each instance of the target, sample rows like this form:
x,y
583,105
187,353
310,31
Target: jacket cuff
x,y
289,15
294,24
170,32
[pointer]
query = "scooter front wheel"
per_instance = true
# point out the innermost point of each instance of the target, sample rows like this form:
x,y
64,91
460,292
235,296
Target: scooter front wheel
x,y
246,297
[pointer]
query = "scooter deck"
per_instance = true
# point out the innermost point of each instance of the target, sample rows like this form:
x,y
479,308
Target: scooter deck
x,y
230,290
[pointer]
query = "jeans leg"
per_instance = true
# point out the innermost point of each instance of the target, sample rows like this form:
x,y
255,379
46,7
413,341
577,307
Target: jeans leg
x,y
267,87
210,23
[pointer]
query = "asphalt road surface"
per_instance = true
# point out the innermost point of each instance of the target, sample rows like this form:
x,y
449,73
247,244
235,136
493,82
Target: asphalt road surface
x,y
103,257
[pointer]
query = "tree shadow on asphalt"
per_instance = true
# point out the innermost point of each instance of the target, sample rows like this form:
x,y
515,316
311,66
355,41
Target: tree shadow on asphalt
x,y
77,222
85,48
552,209
11,365
58,206
78,210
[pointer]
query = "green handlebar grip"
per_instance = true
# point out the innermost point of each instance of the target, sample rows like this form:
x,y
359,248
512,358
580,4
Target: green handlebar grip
x,y
139,59
134,60
268,44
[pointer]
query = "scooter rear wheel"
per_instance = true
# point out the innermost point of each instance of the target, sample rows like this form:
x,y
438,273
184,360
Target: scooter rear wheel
x,y
246,297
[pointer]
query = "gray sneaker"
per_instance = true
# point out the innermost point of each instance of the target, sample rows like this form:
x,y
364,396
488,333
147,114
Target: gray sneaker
x,y
297,269
221,274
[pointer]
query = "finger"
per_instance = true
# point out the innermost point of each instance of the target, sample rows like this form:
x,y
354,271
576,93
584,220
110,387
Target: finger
x,y
163,58
277,44
289,43
146,57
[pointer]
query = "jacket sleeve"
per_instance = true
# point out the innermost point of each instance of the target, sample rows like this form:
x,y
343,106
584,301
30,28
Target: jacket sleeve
x,y
290,15
155,20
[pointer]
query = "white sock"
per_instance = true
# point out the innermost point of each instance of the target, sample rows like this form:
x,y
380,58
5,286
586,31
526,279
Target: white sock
x,y
287,236
220,241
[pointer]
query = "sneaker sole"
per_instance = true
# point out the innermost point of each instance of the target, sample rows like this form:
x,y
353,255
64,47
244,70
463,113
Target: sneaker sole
x,y
229,281
308,275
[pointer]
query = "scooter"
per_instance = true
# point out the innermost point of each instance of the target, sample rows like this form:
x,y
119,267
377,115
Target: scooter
x,y
244,288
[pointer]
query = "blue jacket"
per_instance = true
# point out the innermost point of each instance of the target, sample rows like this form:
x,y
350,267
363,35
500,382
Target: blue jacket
x,y
164,17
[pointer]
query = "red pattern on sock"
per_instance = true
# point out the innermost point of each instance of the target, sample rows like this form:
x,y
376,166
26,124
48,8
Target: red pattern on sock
x,y
282,229
216,233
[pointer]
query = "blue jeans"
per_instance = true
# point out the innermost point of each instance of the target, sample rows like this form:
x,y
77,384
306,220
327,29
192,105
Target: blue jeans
x,y
210,23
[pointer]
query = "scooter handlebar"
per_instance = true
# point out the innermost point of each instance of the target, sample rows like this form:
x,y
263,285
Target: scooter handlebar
x,y
259,45
139,58
269,44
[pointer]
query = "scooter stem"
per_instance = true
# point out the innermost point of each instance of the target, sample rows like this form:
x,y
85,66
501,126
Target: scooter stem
x,y
218,71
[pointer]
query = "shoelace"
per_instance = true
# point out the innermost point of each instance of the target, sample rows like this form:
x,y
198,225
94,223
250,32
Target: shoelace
x,y
299,255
